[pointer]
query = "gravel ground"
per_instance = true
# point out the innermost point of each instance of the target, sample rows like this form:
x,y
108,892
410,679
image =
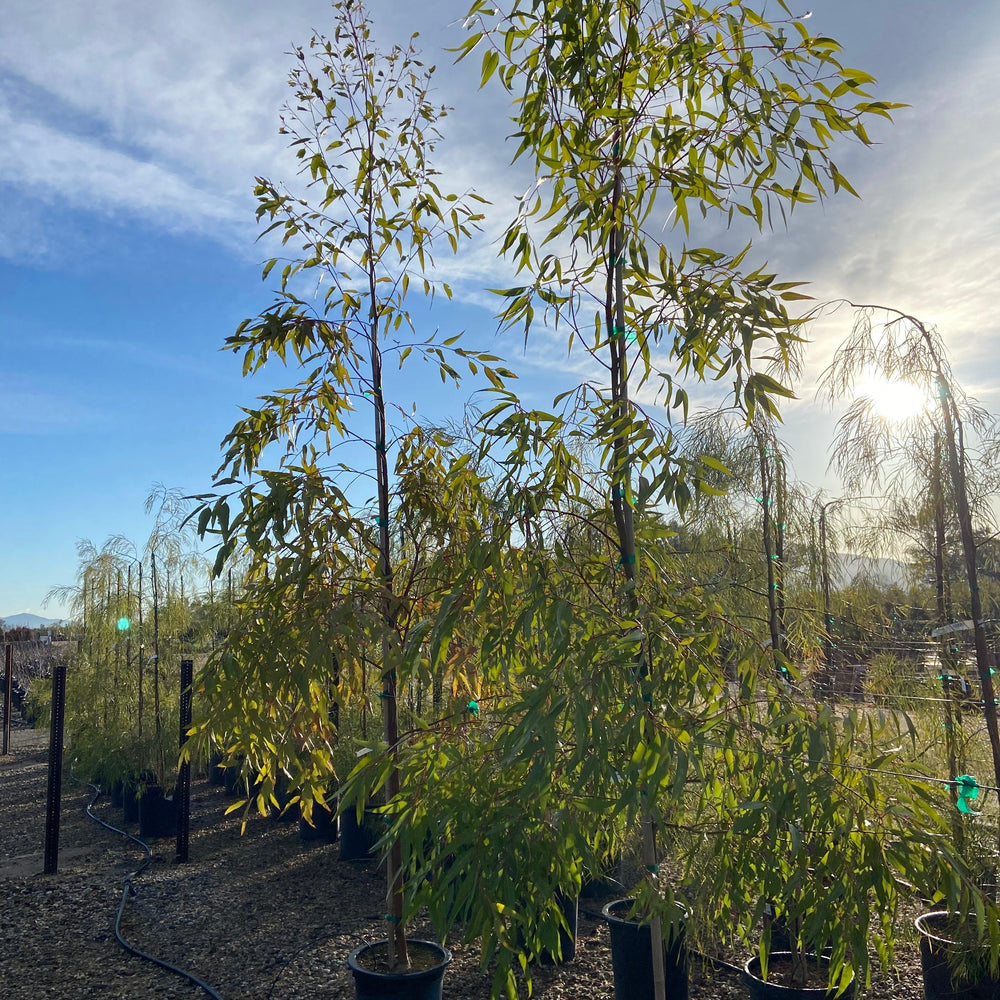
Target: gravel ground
x,y
257,916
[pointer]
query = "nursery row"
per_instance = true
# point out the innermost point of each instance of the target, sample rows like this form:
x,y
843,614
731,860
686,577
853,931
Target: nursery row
x,y
541,639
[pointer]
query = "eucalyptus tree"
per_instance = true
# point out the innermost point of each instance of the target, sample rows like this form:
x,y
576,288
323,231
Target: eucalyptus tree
x,y
622,106
363,126
900,347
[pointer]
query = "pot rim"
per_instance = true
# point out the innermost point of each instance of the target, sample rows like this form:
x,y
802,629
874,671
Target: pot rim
x,y
927,933
810,956
413,975
614,918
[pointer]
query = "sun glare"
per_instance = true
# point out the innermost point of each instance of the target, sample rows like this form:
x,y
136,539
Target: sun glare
x,y
894,400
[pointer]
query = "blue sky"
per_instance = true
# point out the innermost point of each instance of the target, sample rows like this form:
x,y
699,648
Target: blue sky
x,y
132,133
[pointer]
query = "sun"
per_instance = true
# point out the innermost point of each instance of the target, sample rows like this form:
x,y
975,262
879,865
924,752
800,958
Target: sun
x,y
893,399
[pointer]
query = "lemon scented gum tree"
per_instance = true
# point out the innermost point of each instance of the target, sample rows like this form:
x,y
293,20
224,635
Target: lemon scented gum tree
x,y
363,126
639,116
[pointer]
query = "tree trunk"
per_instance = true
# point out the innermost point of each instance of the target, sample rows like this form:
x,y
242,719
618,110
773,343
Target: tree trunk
x,y
827,617
621,505
770,557
398,957
956,462
157,722
142,655
952,712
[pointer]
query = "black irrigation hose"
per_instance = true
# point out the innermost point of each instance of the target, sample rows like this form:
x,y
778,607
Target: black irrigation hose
x,y
128,889
717,963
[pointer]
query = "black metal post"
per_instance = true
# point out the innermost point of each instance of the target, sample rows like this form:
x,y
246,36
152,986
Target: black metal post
x,y
184,776
55,769
8,690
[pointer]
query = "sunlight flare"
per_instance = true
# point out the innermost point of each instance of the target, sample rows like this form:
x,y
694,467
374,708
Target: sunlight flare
x,y
893,399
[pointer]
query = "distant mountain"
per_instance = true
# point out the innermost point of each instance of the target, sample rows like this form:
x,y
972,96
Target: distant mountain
x,y
882,572
26,620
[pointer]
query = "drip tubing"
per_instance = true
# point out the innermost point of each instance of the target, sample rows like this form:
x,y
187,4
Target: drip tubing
x,y
128,889
716,963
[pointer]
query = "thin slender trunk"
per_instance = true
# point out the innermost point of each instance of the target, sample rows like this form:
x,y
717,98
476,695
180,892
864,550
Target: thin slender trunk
x,y
954,442
157,723
398,956
107,610
781,514
766,502
952,712
142,655
128,613
118,645
827,617
621,505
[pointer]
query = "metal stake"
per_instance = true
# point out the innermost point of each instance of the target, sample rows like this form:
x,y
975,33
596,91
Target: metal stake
x,y
55,769
184,775
8,688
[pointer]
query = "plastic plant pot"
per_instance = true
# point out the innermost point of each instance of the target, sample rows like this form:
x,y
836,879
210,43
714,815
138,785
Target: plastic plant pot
x,y
952,969
422,982
357,841
760,989
157,814
632,956
324,826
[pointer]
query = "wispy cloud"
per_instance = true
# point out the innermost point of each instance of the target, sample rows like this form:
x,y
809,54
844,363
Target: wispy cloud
x,y
164,113
26,409
923,238
80,174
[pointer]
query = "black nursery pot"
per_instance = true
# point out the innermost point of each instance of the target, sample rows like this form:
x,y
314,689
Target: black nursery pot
x,y
570,908
130,805
567,935
117,793
131,784
761,990
632,956
216,773
422,982
324,826
234,781
283,812
357,841
952,970
157,814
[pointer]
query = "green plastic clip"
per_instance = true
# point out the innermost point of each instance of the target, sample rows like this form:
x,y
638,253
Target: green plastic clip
x,y
968,790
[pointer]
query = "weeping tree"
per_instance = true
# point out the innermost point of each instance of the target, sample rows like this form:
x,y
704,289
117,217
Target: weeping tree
x,y
102,687
952,427
363,126
126,623
764,517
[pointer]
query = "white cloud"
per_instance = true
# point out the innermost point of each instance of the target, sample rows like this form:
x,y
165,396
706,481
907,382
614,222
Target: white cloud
x,y
161,112
164,112
78,173
924,237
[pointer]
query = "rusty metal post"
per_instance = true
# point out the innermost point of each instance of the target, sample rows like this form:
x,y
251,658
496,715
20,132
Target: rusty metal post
x,y
8,690
184,775
55,769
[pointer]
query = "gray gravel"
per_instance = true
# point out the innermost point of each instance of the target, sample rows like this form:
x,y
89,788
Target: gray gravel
x,y
256,916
